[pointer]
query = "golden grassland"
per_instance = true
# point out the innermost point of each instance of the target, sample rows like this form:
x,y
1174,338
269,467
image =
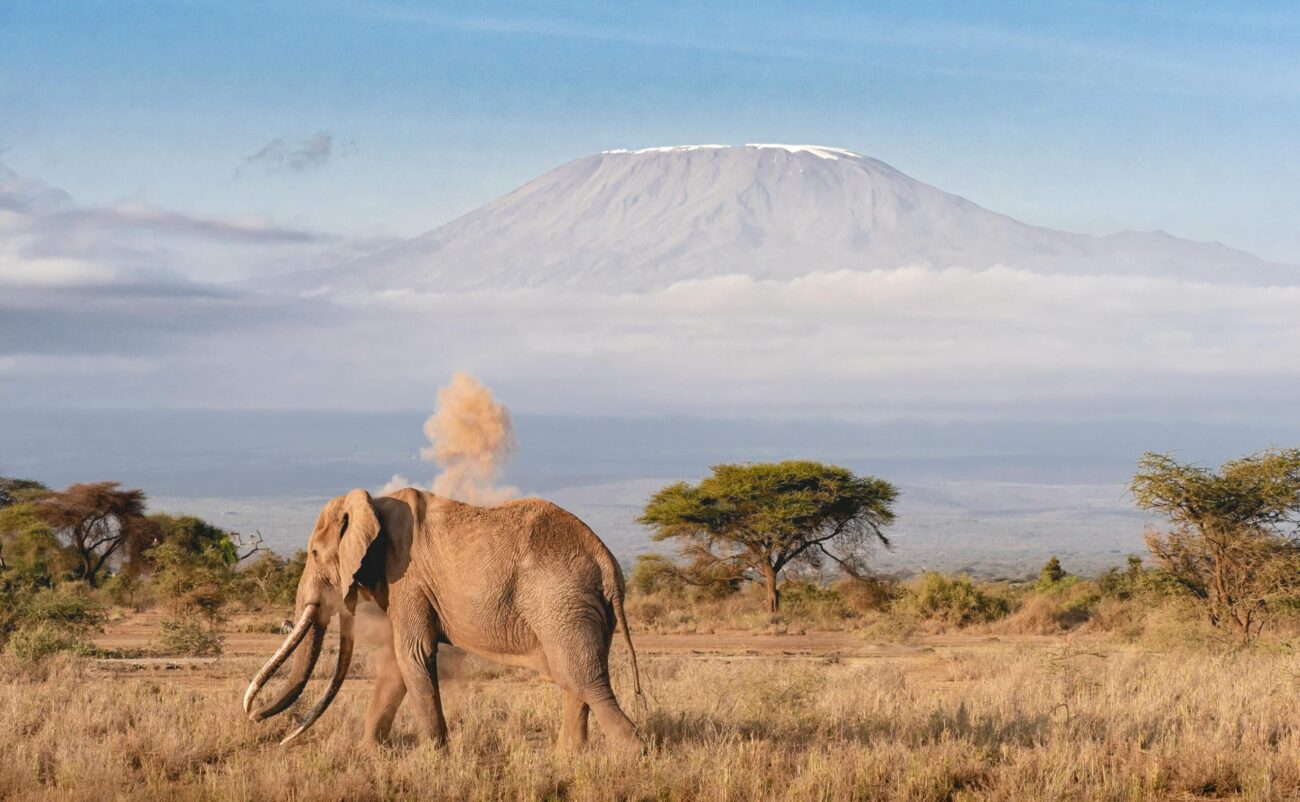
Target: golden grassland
x,y
1007,717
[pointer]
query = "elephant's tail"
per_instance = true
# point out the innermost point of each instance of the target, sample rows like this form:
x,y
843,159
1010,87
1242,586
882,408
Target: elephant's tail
x,y
627,638
620,618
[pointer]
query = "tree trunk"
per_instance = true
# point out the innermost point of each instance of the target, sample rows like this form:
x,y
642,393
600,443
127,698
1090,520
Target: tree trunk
x,y
773,595
87,566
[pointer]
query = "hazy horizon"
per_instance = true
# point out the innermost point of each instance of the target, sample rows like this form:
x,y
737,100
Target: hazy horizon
x,y
996,498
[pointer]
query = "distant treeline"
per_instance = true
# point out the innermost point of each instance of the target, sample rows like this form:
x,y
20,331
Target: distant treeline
x,y
758,545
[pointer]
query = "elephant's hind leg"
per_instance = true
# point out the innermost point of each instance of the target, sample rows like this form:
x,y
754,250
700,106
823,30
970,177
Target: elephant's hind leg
x,y
573,730
390,689
576,654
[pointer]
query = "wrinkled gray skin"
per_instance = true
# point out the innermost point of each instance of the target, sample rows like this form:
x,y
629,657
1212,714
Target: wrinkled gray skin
x,y
524,584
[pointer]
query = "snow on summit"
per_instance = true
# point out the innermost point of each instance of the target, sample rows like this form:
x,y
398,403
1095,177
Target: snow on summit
x,y
635,220
668,149
819,151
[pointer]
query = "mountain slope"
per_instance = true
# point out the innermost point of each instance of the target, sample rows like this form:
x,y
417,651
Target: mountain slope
x,y
636,220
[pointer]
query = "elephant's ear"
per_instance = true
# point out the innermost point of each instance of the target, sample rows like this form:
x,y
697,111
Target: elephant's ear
x,y
361,531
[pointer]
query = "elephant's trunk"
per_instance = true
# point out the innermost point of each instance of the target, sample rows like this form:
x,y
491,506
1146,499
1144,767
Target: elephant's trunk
x,y
336,682
304,660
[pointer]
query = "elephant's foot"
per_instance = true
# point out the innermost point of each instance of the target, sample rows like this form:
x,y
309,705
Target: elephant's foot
x,y
618,728
437,740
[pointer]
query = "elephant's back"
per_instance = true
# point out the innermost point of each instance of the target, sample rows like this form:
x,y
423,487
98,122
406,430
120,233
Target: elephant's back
x,y
494,543
512,567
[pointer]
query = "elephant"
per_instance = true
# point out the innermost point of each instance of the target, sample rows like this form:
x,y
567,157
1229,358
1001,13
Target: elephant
x,y
524,583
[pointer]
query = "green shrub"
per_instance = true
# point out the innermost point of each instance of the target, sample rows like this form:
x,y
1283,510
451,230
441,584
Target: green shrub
x,y
124,589
195,536
270,579
1051,577
36,625
810,600
955,600
33,643
1130,581
655,573
188,635
194,587
31,556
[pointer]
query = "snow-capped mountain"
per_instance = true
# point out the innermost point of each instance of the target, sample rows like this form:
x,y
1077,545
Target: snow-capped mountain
x,y
634,220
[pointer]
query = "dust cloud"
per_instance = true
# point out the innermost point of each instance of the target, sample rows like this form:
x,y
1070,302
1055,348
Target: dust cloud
x,y
471,438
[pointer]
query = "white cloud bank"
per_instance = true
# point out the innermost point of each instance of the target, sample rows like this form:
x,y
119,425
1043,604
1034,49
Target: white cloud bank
x,y
911,342
82,287
852,338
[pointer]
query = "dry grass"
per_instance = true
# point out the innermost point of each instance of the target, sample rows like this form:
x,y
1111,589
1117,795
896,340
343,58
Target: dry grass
x,y
1007,721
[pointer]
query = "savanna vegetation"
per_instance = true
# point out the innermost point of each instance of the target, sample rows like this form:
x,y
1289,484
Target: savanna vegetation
x,y
69,558
755,542
1174,675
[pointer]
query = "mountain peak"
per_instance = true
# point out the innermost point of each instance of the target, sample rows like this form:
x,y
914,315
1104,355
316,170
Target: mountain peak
x,y
635,220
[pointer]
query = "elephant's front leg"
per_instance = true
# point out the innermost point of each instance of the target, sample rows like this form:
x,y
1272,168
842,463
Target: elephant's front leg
x,y
415,646
390,689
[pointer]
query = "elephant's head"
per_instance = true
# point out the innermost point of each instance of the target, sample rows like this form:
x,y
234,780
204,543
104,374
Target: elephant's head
x,y
345,531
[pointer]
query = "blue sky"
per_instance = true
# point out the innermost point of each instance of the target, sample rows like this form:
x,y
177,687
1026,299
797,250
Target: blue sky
x,y
1090,116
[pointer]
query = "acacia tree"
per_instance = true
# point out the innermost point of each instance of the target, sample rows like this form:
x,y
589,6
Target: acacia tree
x,y
758,519
1234,537
100,523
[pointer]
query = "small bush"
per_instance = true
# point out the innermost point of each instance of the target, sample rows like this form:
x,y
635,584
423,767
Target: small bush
x,y
813,602
651,613
68,609
194,587
955,600
1051,575
36,625
189,636
1120,618
655,573
188,582
869,595
125,590
33,643
1060,609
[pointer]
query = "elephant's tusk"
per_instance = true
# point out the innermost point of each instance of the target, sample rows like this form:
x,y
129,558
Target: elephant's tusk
x,y
290,643
336,682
